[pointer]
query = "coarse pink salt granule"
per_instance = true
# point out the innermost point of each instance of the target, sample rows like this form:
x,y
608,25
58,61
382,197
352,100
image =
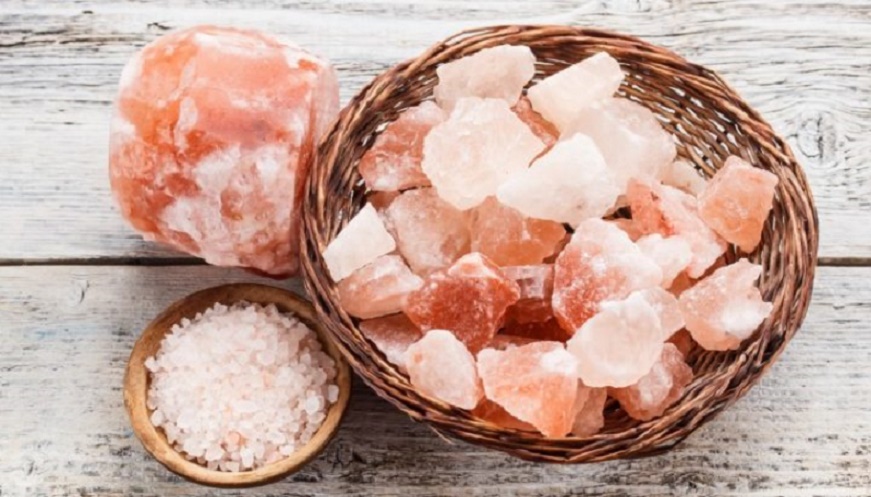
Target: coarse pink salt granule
x,y
240,387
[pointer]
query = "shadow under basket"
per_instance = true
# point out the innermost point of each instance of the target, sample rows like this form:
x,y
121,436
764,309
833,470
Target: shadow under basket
x,y
709,121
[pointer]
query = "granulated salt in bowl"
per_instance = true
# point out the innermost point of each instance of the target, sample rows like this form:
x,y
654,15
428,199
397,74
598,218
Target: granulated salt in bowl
x,y
235,385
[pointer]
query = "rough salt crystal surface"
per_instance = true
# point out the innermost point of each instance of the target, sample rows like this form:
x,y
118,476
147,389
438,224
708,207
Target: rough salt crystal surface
x,y
681,174
469,299
589,410
725,308
737,201
536,383
667,308
392,335
561,96
509,238
237,388
657,390
630,227
360,242
619,345
673,254
543,129
536,290
393,161
212,138
440,366
568,184
499,72
480,146
494,413
378,288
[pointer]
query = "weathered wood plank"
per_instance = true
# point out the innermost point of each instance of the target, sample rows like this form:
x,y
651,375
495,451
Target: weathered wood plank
x,y
803,63
67,331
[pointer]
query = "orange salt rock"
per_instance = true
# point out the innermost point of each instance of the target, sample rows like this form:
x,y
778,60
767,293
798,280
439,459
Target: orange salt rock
x,y
469,298
509,238
683,341
536,383
392,335
212,139
680,284
440,366
736,202
658,389
589,410
541,127
536,289
393,161
494,413
725,308
430,233
379,288
549,330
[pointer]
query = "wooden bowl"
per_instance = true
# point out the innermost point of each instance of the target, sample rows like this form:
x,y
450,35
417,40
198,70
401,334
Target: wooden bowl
x,y
709,121
136,382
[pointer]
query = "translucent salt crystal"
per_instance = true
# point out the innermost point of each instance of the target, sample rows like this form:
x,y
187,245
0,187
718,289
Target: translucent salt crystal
x,y
737,201
509,238
360,242
469,299
599,264
440,366
536,290
568,184
589,410
681,174
657,390
393,161
430,233
543,129
499,72
392,335
494,413
536,383
725,308
619,345
378,288
667,308
683,341
561,96
480,146
673,254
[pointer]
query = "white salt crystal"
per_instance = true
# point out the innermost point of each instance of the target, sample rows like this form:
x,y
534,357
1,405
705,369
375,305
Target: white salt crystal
x,y
673,254
498,72
360,242
681,174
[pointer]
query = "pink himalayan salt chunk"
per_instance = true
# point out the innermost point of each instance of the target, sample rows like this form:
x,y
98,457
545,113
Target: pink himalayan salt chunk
x,y
509,238
589,410
630,137
667,309
212,139
725,308
561,96
629,226
431,234
737,201
673,254
480,146
440,366
536,289
657,390
393,161
392,335
599,264
681,174
499,73
360,242
683,341
378,288
568,184
543,129
469,299
536,383
494,413
619,345
669,211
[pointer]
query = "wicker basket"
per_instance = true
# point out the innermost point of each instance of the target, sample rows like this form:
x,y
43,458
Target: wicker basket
x,y
709,120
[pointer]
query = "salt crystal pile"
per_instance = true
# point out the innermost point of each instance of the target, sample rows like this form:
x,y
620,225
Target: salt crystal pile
x,y
212,138
240,387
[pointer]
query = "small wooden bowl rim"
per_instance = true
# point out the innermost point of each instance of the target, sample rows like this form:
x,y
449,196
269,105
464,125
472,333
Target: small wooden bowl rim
x,y
136,380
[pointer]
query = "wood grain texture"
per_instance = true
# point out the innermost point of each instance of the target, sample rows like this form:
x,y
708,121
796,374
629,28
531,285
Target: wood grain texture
x,y
803,63
67,331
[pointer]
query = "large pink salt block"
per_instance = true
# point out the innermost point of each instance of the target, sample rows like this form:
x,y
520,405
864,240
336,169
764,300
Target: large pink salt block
x,y
509,238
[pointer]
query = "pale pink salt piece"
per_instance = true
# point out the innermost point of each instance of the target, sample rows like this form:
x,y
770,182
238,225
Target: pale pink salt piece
x,y
535,383
430,233
589,410
393,161
630,227
561,96
469,298
669,211
737,201
630,138
536,289
725,308
494,413
542,128
477,149
673,254
667,308
212,138
619,345
392,335
599,264
360,242
378,288
568,184
657,390
499,72
509,238
681,174
440,366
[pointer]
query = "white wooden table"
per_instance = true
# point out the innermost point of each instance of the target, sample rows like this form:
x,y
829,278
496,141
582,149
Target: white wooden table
x,y
76,284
